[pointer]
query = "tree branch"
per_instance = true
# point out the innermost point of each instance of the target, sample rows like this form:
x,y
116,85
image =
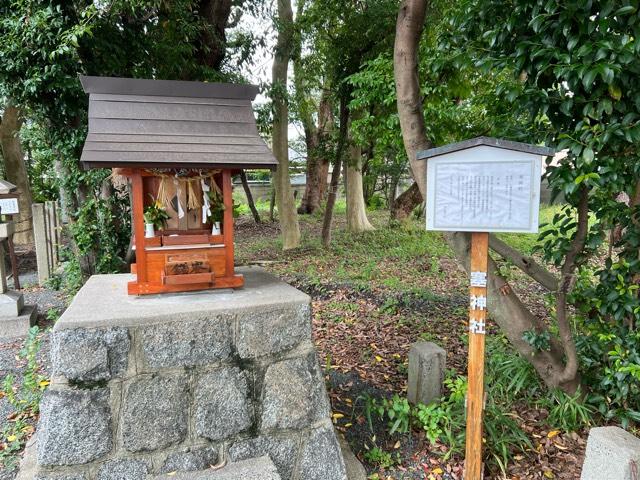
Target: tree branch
x,y
525,263
567,278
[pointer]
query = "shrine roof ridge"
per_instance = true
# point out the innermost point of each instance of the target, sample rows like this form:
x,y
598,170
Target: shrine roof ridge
x,y
485,141
168,88
144,123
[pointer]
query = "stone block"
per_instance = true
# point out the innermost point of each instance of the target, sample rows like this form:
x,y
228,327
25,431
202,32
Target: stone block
x,y
190,460
187,344
254,469
74,427
222,404
612,453
73,476
281,449
123,469
19,326
11,304
154,413
90,355
427,363
321,458
294,394
274,330
354,468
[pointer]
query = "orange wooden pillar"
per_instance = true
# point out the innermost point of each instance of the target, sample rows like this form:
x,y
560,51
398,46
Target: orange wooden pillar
x,y
477,325
138,225
227,198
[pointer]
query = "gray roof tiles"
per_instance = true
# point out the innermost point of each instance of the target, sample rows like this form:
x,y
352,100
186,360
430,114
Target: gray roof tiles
x,y
167,123
488,141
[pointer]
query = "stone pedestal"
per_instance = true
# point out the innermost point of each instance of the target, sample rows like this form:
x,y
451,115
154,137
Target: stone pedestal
x,y
156,384
15,317
612,453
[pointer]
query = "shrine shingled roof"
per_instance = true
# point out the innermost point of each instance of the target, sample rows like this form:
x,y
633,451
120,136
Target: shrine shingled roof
x,y
487,141
172,124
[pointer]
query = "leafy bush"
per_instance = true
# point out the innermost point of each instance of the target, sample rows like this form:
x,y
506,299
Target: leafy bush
x,y
570,412
610,360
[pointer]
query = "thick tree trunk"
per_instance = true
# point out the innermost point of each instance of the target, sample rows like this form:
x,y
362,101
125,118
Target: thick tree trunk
x,y
247,192
213,40
16,171
335,175
284,194
505,307
357,220
402,206
409,27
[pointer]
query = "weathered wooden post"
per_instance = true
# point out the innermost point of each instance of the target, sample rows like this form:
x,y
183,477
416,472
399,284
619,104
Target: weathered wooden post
x,y
40,237
479,186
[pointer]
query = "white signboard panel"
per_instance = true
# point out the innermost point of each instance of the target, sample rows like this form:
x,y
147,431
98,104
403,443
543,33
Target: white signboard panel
x,y
484,189
9,206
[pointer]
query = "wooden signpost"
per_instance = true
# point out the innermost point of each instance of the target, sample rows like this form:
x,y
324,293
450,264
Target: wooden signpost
x,y
481,185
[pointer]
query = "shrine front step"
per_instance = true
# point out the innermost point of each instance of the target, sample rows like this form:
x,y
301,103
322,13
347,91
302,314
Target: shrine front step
x,y
177,382
261,468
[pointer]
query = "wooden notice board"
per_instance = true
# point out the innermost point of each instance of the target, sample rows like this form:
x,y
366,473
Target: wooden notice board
x,y
479,186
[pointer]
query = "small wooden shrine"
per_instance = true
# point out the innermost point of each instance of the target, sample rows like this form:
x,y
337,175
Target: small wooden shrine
x,y
178,143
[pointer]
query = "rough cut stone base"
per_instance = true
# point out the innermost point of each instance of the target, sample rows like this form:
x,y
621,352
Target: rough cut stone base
x,y
254,469
612,454
145,386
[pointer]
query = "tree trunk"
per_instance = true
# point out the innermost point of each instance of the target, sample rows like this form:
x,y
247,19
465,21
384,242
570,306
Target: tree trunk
x,y
16,171
505,307
357,220
335,175
409,27
317,164
213,40
406,202
247,192
284,194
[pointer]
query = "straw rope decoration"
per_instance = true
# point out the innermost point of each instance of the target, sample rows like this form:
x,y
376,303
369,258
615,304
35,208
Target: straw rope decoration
x,y
186,179
193,201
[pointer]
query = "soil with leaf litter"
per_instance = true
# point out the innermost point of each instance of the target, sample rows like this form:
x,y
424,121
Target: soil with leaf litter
x,y
369,306
364,330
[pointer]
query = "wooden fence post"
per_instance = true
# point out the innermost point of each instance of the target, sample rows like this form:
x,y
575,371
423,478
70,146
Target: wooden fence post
x,y
52,236
40,237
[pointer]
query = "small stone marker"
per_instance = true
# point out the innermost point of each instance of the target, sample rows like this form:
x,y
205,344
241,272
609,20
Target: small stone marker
x,y
426,372
612,454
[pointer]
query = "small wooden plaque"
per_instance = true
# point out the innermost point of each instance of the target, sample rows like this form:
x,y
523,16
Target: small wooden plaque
x,y
186,264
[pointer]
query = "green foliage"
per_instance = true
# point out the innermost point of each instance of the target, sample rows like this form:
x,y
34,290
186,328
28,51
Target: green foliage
x,y
539,341
503,435
156,215
570,412
397,411
577,65
509,375
380,458
25,399
610,361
